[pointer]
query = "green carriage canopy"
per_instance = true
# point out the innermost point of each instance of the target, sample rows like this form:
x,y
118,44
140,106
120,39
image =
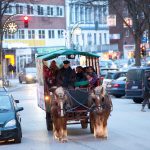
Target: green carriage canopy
x,y
57,53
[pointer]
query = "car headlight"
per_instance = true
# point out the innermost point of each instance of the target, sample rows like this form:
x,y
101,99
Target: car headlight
x,y
29,76
10,123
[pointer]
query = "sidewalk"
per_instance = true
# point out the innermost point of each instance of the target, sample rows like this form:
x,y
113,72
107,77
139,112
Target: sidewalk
x,y
13,82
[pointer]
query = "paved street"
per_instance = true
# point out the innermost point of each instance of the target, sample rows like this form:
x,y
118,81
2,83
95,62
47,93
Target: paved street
x,y
128,127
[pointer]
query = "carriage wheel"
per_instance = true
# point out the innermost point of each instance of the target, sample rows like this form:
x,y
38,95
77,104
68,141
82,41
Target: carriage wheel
x,y
49,122
84,123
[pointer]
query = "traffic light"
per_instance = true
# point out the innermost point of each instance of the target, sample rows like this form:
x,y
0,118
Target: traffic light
x,y
26,20
143,51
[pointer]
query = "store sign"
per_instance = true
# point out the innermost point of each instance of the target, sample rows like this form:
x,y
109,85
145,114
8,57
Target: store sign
x,y
47,50
111,20
114,36
128,22
20,52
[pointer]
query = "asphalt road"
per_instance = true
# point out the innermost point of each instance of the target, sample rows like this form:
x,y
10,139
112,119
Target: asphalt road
x,y
128,127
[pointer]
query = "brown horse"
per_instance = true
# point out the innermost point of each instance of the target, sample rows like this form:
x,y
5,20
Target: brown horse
x,y
59,101
102,105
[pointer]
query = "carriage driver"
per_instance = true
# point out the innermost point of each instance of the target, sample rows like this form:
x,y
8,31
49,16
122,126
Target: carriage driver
x,y
66,76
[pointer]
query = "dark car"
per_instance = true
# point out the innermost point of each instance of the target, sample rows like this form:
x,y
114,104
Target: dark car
x,y
117,87
10,121
3,90
28,75
136,83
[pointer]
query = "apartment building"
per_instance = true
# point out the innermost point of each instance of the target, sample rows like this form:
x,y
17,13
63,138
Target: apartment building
x,y
92,21
45,32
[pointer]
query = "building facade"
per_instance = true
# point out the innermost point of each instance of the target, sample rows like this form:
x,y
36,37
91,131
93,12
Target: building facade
x,y
45,32
119,31
87,28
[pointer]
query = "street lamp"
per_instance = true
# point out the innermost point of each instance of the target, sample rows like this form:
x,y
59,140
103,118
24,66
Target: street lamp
x,y
8,27
76,30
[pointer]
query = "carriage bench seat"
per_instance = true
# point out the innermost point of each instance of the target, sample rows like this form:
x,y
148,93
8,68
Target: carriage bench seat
x,y
79,97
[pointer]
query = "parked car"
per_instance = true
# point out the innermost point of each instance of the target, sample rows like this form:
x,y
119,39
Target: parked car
x,y
3,90
117,87
28,75
107,64
104,71
10,121
136,83
113,75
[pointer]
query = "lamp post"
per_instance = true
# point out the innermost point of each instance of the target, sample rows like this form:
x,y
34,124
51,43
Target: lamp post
x,y
76,30
8,27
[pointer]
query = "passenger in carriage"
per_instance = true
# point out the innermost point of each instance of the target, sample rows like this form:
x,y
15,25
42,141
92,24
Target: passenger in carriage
x,y
53,71
92,77
92,80
46,75
66,76
80,75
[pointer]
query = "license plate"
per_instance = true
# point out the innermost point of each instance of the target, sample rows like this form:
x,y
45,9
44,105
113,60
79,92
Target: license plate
x,y
134,87
108,85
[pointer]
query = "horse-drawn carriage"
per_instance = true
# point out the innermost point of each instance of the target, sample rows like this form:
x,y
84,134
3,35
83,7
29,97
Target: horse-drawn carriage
x,y
72,106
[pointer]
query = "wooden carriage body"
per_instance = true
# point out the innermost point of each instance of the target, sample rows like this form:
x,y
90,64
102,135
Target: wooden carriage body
x,y
80,111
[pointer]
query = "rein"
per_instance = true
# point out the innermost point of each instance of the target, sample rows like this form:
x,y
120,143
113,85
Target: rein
x,y
80,104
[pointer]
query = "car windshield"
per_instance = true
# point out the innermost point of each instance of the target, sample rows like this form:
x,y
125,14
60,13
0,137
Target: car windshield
x,y
5,104
31,70
109,75
121,79
134,75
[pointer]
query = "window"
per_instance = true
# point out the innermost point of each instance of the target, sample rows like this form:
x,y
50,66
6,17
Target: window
x,y
31,34
95,42
29,9
41,34
100,14
89,38
21,34
59,11
51,34
105,38
40,10
76,13
71,13
48,10
52,11
9,9
82,13
100,39
8,35
127,33
19,9
60,34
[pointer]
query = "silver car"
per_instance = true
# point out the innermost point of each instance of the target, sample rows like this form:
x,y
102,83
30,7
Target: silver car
x,y
28,75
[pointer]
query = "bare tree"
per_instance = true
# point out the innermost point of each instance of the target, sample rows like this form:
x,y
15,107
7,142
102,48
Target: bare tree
x,y
139,12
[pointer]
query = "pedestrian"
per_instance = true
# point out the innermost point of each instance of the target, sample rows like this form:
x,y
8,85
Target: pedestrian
x,y
10,70
14,71
66,76
146,91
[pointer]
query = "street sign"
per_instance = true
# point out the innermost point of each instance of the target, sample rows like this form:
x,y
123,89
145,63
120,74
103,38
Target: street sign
x,y
144,39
